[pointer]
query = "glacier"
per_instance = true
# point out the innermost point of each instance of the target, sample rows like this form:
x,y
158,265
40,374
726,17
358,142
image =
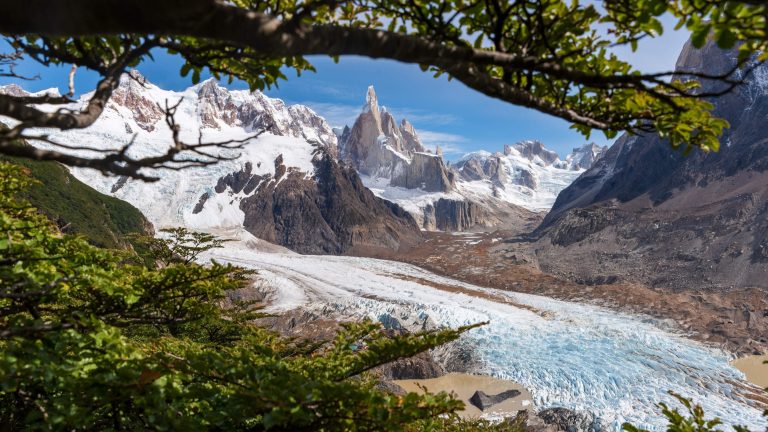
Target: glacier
x,y
572,355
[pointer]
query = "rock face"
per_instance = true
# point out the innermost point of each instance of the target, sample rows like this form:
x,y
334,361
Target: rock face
x,y
425,171
647,213
454,215
377,146
483,401
329,213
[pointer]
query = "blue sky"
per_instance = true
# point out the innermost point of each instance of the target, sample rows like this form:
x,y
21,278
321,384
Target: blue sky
x,y
444,112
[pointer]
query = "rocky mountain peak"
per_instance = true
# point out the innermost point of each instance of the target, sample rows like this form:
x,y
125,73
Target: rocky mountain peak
x,y
411,139
371,102
378,147
133,95
584,157
13,90
215,105
534,151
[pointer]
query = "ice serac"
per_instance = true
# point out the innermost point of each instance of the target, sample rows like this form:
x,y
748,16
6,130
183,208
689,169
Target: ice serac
x,y
647,213
377,146
284,186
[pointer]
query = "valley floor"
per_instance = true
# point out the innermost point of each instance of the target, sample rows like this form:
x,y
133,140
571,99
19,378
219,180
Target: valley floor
x,y
578,356
732,320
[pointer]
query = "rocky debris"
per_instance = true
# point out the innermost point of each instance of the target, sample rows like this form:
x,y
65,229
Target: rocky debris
x,y
646,213
572,421
377,146
483,401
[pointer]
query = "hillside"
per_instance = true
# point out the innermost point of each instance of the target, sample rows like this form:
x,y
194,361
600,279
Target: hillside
x,y
78,208
647,214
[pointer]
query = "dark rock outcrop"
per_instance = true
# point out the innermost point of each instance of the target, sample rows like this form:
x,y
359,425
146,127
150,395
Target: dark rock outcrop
x,y
571,421
484,401
329,213
646,213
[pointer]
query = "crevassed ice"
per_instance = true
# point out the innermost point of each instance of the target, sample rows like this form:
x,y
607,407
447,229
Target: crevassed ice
x,y
576,356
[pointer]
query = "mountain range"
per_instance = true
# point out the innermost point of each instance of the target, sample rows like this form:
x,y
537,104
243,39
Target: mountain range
x,y
302,185
646,213
634,212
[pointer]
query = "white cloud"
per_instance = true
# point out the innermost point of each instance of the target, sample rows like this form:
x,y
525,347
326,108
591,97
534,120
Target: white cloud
x,y
337,115
420,116
449,143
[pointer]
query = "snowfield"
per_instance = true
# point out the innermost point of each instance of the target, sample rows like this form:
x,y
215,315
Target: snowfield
x,y
567,354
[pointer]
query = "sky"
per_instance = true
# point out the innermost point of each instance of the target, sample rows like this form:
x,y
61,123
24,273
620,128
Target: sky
x,y
444,112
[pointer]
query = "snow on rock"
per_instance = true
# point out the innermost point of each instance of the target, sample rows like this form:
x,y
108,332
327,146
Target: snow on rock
x,y
571,355
206,111
526,174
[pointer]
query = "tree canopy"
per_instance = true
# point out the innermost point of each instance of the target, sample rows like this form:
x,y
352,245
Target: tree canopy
x,y
93,339
548,55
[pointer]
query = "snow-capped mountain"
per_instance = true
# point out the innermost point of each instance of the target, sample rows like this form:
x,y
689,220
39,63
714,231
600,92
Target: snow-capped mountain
x,y
526,174
286,187
377,147
481,190
298,151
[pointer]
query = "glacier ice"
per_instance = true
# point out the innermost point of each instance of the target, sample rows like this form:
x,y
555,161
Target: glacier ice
x,y
572,355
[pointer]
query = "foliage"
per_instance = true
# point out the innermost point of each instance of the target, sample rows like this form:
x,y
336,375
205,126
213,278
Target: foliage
x,y
554,56
78,208
693,420
442,424
91,341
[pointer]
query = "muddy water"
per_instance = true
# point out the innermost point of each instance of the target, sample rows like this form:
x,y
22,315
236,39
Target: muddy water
x,y
465,385
754,368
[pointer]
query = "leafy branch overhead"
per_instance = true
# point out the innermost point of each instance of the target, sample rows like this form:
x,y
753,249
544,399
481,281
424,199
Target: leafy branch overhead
x,y
548,55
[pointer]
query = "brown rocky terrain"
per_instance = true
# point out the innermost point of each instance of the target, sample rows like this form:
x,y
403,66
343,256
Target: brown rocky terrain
x,y
645,213
736,320
327,213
